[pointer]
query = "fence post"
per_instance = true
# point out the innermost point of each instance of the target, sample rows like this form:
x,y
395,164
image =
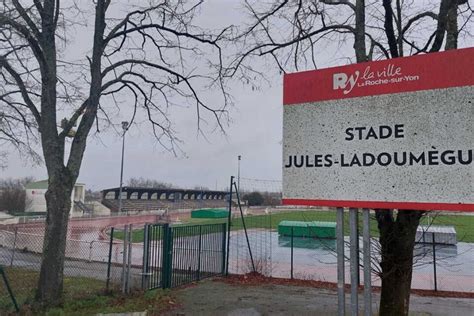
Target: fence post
x,y
14,246
245,228
109,262
124,259
434,261
229,220
9,290
167,256
292,252
224,231
91,245
199,253
129,256
146,256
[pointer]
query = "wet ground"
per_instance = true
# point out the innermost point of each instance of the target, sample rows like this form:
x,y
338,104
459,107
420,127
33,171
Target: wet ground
x,y
316,260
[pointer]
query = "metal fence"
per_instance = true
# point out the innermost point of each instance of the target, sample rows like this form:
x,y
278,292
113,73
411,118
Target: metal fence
x,y
180,255
21,248
120,258
437,266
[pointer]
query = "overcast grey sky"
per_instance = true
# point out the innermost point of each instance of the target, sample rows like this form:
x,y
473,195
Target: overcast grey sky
x,y
255,131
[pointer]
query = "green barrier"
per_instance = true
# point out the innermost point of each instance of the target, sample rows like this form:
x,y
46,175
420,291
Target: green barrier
x,y
210,213
314,229
7,285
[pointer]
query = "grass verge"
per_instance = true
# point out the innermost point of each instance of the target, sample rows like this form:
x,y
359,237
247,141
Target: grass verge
x,y
82,296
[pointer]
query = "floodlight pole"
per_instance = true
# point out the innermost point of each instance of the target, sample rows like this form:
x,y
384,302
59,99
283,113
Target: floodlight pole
x,y
238,173
124,129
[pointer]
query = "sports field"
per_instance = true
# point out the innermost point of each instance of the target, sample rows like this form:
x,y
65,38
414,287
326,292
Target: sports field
x,y
464,224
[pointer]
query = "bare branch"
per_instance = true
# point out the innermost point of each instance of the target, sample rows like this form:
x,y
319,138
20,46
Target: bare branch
x,y
21,85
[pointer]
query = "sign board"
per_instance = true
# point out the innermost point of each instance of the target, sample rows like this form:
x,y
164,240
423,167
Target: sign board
x,y
396,133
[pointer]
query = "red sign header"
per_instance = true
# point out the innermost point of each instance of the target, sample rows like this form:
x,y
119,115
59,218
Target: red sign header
x,y
422,72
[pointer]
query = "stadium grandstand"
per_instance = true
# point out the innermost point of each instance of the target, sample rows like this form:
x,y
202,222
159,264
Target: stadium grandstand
x,y
149,199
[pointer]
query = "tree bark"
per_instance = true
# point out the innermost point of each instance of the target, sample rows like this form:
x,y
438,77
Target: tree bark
x,y
389,31
58,201
452,28
444,7
359,36
397,239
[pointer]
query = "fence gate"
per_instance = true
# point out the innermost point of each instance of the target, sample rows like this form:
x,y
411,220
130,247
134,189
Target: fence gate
x,y
178,255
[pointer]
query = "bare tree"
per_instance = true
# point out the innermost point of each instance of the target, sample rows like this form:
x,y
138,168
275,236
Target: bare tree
x,y
294,33
144,58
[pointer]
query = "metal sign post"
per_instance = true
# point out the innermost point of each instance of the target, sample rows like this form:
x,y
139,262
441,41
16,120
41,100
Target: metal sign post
x,y
367,265
354,240
341,296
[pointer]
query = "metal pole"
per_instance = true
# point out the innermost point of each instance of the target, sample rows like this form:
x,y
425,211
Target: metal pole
x,y
109,262
224,243
229,220
9,290
124,128
341,296
199,254
238,174
292,253
146,256
354,264
357,247
91,245
367,266
245,230
434,261
129,263
124,259
14,246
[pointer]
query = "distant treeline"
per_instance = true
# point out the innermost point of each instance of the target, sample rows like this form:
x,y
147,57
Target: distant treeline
x,y
13,195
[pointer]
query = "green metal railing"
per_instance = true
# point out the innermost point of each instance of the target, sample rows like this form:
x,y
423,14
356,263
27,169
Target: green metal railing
x,y
178,255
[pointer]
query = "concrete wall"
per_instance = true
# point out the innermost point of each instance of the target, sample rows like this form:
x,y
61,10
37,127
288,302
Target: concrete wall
x,y
36,202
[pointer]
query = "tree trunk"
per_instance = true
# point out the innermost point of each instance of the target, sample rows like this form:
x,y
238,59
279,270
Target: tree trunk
x,y
397,239
452,28
58,202
359,36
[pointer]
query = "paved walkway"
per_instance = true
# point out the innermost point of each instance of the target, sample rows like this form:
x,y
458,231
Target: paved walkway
x,y
218,298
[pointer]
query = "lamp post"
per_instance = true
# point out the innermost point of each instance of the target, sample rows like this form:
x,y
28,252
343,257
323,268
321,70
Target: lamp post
x,y
124,129
238,173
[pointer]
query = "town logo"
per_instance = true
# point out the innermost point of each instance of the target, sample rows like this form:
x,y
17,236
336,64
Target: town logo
x,y
345,82
369,77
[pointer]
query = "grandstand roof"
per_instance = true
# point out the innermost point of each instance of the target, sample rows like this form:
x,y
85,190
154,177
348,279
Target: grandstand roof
x,y
143,189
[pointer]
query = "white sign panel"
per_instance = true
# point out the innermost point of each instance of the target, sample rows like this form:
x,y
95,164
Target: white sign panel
x,y
390,134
